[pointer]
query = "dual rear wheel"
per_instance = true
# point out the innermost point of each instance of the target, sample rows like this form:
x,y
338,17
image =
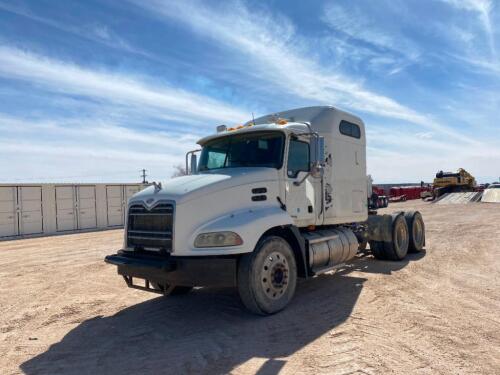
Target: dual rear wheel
x,y
407,235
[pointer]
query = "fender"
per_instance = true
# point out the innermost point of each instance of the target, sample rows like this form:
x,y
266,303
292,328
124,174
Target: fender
x,y
250,224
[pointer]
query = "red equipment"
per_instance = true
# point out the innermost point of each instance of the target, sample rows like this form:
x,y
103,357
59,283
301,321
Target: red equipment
x,y
410,192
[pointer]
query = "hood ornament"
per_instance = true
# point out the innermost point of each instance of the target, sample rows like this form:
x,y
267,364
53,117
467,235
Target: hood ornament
x,y
157,186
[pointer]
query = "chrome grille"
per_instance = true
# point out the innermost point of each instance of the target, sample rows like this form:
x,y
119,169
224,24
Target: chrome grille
x,y
151,229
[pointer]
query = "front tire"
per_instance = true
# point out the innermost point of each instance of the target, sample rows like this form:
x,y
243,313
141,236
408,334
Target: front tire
x,y
267,277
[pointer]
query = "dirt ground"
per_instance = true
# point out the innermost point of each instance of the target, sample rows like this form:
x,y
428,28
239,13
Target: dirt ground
x,y
64,311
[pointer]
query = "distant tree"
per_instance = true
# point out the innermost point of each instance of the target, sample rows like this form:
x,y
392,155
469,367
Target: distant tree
x,y
179,170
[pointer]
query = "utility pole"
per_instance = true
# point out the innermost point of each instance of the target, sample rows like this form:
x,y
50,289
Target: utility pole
x,y
144,175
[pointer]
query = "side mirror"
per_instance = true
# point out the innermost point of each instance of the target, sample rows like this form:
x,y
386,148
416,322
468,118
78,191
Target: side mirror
x,y
318,150
194,164
317,156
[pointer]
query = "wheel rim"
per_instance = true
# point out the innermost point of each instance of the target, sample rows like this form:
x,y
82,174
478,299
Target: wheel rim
x,y
401,236
274,275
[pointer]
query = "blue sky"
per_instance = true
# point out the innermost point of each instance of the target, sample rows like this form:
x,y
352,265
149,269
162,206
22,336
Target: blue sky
x,y
97,90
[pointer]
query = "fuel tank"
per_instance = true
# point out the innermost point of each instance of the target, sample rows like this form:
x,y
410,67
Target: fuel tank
x,y
330,247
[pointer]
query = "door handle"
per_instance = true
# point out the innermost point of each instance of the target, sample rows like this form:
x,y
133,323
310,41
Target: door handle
x,y
26,216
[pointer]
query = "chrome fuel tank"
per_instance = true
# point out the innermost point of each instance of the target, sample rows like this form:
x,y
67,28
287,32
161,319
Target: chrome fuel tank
x,y
330,247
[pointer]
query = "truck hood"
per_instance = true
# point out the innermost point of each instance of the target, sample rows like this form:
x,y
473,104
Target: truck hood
x,y
185,188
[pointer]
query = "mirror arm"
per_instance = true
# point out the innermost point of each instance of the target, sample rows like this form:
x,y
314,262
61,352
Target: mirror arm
x,y
187,158
298,183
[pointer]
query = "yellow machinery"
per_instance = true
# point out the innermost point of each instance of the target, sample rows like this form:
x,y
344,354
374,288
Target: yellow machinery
x,y
448,182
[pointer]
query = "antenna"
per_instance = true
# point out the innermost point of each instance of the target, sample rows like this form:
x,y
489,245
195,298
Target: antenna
x,y
144,175
253,119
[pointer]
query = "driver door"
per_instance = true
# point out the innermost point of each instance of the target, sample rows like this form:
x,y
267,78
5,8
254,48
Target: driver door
x,y
298,185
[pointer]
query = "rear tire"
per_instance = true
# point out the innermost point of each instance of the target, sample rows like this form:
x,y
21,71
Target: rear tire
x,y
267,277
416,229
397,248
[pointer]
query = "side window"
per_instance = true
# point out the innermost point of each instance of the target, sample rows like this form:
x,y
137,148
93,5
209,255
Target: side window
x,y
298,158
350,129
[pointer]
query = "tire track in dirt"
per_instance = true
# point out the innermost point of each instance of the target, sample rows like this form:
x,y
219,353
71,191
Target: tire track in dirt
x,y
434,313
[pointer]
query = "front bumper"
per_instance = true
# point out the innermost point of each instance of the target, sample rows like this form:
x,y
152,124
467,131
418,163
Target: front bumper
x,y
178,271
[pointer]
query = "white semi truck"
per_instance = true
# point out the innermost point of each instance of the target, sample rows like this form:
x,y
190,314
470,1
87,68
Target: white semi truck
x,y
281,197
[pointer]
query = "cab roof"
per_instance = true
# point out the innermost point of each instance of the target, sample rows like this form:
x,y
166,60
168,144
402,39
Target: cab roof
x,y
320,118
287,128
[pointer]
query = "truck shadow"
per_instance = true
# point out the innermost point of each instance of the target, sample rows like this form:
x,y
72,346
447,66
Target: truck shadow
x,y
208,331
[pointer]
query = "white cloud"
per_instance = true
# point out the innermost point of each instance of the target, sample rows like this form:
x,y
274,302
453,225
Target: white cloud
x,y
480,64
483,10
270,53
86,150
424,135
275,54
96,33
116,88
355,24
398,156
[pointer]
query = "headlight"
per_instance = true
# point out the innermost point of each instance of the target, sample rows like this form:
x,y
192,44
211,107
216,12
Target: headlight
x,y
217,239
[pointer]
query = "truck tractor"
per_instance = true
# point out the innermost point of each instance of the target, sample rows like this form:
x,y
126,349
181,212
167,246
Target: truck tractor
x,y
282,197
449,182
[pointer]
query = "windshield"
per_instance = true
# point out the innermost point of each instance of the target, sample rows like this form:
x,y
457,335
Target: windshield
x,y
263,149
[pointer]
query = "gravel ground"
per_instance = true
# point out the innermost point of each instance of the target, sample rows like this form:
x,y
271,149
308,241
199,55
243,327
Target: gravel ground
x,y
64,311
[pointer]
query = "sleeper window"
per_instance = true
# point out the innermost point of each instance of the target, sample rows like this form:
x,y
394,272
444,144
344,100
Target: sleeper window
x,y
350,129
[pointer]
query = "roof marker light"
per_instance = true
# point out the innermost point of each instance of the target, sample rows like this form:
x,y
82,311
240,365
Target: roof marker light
x,y
221,128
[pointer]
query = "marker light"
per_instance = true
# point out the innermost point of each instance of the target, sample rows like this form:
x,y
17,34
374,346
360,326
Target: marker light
x,y
221,128
218,239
